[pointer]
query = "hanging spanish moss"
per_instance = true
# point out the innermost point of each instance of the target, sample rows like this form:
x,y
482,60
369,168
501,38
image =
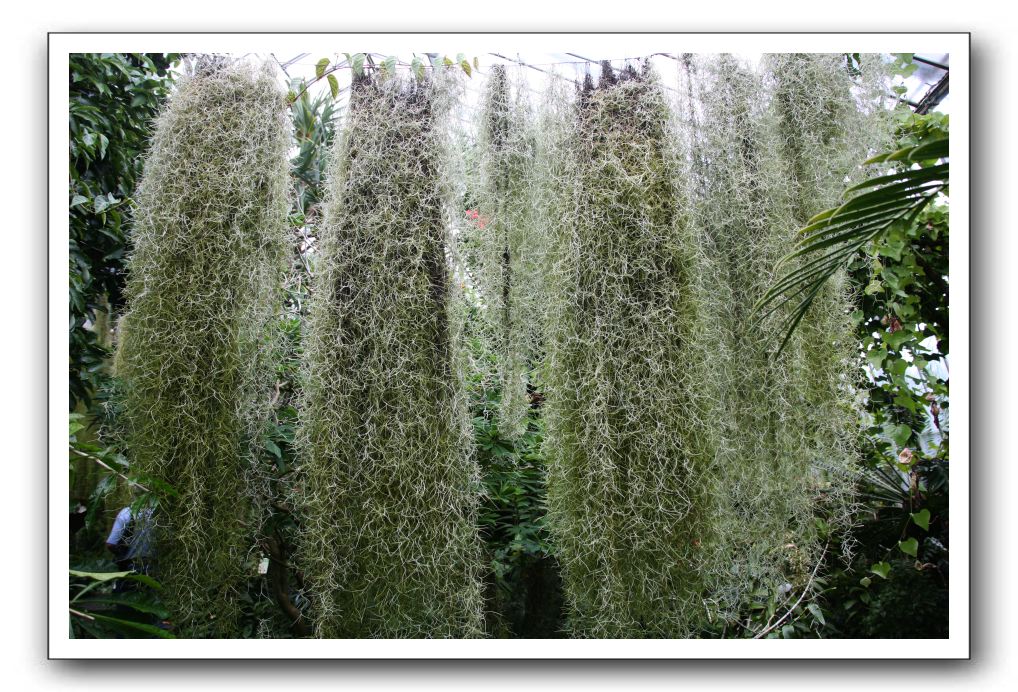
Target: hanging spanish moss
x,y
388,487
622,495
765,469
209,252
825,122
693,474
508,261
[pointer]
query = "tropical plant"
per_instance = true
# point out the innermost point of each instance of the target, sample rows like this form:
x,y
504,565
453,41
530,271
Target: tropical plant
x,y
522,588
314,124
875,210
97,609
897,585
113,99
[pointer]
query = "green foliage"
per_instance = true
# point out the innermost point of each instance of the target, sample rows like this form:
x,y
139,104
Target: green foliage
x,y
387,488
113,99
880,210
524,597
314,123
695,486
209,252
98,610
902,329
363,64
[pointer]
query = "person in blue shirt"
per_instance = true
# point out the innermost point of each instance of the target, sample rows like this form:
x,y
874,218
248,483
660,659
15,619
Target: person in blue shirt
x,y
131,540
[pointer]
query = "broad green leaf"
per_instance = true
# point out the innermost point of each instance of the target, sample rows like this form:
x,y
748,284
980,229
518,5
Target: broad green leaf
x,y
896,339
876,357
100,203
135,601
466,67
909,547
357,63
130,625
881,569
99,576
78,199
922,519
905,401
333,85
320,67
899,434
817,613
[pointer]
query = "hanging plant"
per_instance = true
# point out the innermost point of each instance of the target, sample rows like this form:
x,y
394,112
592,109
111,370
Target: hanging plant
x,y
623,500
388,486
507,256
210,246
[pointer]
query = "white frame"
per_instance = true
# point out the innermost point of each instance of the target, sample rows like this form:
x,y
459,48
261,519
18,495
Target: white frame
x,y
957,44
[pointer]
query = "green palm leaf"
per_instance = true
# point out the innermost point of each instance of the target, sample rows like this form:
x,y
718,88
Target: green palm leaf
x,y
832,238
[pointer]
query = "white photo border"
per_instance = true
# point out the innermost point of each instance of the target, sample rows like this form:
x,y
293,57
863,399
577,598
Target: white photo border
x,y
957,646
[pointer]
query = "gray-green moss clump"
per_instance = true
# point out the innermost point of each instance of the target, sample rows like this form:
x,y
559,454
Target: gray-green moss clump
x,y
388,487
692,474
209,253
774,465
508,259
623,500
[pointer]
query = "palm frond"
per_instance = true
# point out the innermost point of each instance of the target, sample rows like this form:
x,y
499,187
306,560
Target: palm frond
x,y
833,237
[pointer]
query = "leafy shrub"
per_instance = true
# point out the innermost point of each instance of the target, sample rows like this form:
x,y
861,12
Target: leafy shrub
x,y
113,99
